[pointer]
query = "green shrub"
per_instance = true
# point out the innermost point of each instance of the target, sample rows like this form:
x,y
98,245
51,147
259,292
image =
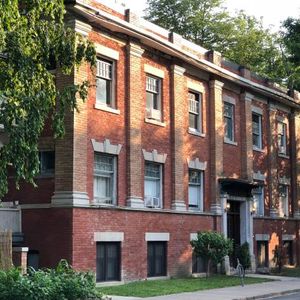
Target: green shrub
x,y
62,283
243,254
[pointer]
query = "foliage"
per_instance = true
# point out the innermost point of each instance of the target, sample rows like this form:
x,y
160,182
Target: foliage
x,y
62,283
151,288
32,34
212,246
279,254
240,38
291,46
243,254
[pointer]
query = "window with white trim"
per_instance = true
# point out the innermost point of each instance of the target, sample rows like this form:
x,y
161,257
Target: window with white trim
x,y
105,83
257,131
153,185
195,110
195,190
228,114
283,193
258,200
153,98
282,138
104,178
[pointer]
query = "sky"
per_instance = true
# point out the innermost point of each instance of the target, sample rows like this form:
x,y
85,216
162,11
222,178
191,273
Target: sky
x,y
272,11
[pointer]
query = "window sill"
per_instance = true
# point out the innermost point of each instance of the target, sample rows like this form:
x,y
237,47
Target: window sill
x,y
107,108
195,209
230,142
99,203
258,150
155,122
197,133
281,155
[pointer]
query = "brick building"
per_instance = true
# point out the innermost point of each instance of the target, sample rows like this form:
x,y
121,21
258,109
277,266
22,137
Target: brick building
x,y
173,139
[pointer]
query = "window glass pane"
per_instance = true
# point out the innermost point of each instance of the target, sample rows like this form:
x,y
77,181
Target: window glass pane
x,y
152,170
47,162
157,259
228,110
152,188
228,129
152,84
103,93
194,195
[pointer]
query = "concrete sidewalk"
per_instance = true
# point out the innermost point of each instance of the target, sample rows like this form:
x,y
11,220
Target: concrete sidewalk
x,y
283,285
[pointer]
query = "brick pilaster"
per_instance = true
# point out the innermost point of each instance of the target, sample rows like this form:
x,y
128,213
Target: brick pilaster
x,y
272,156
246,136
295,144
134,117
178,87
216,142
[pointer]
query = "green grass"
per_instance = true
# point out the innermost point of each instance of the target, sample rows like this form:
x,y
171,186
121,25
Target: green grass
x,y
150,288
290,272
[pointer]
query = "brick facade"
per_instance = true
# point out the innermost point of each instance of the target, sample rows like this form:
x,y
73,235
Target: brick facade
x,y
62,217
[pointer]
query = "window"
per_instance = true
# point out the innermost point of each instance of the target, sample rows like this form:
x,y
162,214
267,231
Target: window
x,y
196,190
262,254
283,200
258,200
281,127
229,121
257,131
108,261
152,185
104,83
47,163
195,122
153,98
198,264
157,259
104,178
288,251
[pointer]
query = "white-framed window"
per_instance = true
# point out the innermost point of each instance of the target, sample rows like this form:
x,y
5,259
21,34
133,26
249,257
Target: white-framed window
x,y
47,163
257,131
153,98
195,111
195,189
228,114
283,193
258,200
104,178
153,185
282,138
105,83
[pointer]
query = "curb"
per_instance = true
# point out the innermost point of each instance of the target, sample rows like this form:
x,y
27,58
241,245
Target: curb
x,y
266,296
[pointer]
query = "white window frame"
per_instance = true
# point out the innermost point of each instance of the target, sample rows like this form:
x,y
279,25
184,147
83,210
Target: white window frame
x,y
259,200
195,108
200,200
152,178
283,205
111,200
259,134
155,89
282,138
109,102
232,118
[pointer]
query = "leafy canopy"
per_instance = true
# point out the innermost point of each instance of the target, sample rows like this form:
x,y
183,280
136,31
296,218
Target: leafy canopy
x,y
33,33
240,38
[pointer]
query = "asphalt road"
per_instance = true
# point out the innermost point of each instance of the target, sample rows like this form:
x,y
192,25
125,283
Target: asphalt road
x,y
287,297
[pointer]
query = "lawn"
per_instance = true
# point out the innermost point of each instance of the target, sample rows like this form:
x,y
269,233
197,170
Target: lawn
x,y
149,288
290,272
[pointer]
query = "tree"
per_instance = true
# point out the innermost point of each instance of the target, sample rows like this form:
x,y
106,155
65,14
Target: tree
x,y
212,246
291,51
32,34
240,38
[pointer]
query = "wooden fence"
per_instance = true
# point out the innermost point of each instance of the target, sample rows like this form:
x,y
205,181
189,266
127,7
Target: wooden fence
x,y
5,249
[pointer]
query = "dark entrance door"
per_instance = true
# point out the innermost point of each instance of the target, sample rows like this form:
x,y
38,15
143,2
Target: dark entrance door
x,y
234,227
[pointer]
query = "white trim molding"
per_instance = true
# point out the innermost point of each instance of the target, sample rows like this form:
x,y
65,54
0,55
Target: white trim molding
x,y
178,70
197,164
288,237
108,52
196,86
229,99
154,71
157,236
259,176
106,147
69,198
284,180
262,237
154,156
108,236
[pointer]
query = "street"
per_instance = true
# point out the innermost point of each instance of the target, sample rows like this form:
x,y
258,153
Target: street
x,y
295,296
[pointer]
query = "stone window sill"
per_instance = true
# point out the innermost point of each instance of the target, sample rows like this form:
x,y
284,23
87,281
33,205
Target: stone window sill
x,y
281,155
197,133
229,142
155,122
258,150
107,109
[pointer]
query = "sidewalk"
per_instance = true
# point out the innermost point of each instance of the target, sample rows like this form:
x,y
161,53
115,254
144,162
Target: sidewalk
x,y
283,285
